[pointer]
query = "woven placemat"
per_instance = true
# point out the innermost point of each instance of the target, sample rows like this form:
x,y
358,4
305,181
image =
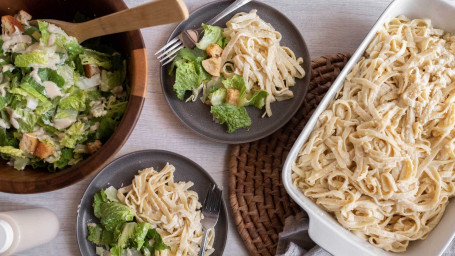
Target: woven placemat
x,y
258,199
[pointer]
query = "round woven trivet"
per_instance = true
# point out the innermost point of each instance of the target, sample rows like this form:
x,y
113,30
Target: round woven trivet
x,y
258,199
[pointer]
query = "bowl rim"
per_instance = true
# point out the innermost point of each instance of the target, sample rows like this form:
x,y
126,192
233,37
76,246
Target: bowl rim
x,y
138,75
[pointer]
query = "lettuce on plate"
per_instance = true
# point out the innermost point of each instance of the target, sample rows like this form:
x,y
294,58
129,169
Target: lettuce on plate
x,y
212,35
118,229
189,72
257,99
233,116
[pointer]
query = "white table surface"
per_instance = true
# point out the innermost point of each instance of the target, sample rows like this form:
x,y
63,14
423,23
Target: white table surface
x,y
328,26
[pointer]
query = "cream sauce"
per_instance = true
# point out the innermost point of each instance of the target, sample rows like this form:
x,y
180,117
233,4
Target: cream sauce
x,y
13,116
52,89
4,124
3,89
11,40
34,75
7,67
51,40
32,103
64,123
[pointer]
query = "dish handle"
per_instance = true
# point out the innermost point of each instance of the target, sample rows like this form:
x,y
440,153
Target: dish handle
x,y
334,238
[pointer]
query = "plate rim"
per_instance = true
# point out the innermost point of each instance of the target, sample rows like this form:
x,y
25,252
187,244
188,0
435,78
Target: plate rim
x,y
305,79
151,151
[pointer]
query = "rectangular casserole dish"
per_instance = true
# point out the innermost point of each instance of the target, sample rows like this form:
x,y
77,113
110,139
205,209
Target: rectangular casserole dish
x,y
324,229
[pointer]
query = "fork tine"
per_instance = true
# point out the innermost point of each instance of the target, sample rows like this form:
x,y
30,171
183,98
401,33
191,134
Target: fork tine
x,y
167,45
208,195
171,53
170,49
171,56
219,200
215,200
212,198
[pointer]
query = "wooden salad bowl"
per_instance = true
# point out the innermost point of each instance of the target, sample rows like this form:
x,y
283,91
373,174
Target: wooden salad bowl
x,y
131,44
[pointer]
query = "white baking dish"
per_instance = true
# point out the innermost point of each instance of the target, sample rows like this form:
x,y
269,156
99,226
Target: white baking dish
x,y
324,229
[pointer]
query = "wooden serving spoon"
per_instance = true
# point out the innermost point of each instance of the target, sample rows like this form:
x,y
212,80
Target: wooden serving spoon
x,y
155,13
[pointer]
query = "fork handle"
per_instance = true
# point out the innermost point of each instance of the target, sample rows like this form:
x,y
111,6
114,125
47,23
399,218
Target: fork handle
x,y
234,6
150,14
203,243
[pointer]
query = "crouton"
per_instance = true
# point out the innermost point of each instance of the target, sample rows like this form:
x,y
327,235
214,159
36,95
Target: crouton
x,y
212,66
23,17
28,143
232,96
94,146
44,150
10,24
91,70
214,50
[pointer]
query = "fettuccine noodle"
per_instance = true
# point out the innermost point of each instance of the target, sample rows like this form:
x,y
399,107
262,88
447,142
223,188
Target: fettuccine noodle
x,y
169,207
254,52
382,155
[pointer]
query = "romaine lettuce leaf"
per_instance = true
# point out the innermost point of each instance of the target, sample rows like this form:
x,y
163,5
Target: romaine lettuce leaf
x,y
11,151
212,34
127,233
73,135
234,117
139,234
47,74
2,103
19,163
65,158
111,194
95,233
154,242
218,97
68,75
113,214
98,200
73,49
186,78
96,58
43,28
86,83
106,128
33,32
7,139
222,42
29,58
33,83
65,113
76,100
109,80
33,92
116,250
236,82
258,99
26,120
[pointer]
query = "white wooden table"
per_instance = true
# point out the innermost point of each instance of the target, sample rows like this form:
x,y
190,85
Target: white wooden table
x,y
328,26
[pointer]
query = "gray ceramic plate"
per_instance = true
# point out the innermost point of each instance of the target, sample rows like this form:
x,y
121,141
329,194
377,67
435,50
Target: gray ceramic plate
x,y
196,115
121,172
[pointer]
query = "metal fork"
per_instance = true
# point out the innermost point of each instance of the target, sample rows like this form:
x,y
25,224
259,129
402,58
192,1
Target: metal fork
x,y
211,212
190,37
